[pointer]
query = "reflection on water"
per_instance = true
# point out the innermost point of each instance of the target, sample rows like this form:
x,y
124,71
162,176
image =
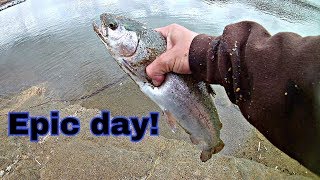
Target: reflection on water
x,y
52,41
293,11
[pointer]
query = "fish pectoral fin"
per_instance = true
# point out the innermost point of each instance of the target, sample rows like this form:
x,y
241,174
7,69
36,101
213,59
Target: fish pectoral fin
x,y
171,120
210,90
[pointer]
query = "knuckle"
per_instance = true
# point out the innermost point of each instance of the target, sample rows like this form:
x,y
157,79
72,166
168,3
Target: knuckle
x,y
174,25
168,65
150,70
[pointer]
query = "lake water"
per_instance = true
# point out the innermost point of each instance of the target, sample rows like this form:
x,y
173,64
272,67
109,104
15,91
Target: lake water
x,y
52,41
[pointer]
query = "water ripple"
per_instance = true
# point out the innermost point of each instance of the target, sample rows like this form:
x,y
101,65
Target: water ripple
x,y
52,41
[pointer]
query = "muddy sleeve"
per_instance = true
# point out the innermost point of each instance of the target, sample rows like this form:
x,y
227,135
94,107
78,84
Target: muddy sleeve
x,y
275,81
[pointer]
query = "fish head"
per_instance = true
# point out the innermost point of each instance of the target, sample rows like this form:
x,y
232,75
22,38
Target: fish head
x,y
130,43
119,34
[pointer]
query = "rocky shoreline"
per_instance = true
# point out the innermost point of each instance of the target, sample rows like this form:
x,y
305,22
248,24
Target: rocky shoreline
x,y
167,156
4,4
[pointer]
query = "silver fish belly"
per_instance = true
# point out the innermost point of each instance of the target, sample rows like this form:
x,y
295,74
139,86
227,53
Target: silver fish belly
x,y
189,104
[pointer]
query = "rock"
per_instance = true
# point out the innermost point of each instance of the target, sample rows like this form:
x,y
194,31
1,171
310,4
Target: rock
x,y
8,168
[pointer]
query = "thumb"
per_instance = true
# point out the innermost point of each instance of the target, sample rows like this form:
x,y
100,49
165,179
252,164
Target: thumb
x,y
159,67
165,31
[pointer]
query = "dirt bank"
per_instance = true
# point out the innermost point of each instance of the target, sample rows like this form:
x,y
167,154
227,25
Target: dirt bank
x,y
168,156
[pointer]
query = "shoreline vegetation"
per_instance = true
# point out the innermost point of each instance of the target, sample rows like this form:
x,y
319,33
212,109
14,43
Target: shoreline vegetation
x,y
4,4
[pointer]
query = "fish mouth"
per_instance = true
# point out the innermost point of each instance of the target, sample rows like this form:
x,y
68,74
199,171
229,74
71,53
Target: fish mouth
x,y
102,32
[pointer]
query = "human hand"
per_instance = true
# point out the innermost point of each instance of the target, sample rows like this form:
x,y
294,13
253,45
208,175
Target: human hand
x,y
176,57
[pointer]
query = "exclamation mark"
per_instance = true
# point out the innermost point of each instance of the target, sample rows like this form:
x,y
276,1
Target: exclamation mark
x,y
154,129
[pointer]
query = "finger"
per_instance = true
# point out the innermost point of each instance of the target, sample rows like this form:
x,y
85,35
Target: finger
x,y
158,81
163,30
156,70
169,42
160,66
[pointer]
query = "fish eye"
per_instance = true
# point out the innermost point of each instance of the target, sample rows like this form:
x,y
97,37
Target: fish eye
x,y
113,26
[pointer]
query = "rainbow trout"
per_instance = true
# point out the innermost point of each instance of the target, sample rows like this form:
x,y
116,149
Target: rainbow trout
x,y
183,100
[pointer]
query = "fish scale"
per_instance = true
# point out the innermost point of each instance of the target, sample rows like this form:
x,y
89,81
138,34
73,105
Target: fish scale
x,y
183,100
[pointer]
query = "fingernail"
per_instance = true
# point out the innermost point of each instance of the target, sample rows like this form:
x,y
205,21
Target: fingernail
x,y
155,82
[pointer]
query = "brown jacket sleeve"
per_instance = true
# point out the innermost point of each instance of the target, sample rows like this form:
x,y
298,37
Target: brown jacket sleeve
x,y
275,81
